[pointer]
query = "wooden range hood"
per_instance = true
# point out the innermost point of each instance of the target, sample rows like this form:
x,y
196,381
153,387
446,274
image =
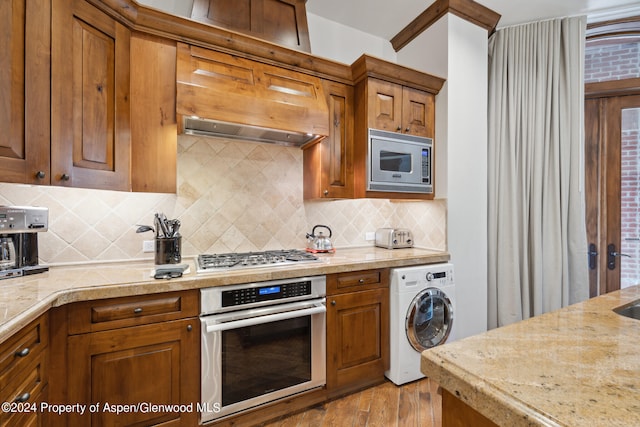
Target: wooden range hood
x,y
228,96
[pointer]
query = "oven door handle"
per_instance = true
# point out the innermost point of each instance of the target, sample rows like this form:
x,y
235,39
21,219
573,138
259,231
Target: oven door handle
x,y
289,314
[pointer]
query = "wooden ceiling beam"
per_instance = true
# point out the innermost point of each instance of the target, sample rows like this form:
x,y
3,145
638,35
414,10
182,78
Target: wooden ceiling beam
x,y
465,9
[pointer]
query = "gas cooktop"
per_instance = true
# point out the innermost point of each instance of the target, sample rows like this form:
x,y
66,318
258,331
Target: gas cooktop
x,y
235,261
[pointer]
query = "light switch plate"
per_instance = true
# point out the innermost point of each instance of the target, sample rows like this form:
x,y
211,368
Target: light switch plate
x,y
148,246
370,235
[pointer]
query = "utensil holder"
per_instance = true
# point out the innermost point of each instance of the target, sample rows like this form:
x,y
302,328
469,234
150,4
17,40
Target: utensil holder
x,y
168,250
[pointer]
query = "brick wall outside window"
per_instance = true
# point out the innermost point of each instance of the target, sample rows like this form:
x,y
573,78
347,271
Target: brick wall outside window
x,y
617,61
630,198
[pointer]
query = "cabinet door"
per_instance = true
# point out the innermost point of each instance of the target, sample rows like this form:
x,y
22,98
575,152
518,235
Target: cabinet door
x,y
90,134
154,133
417,112
357,339
328,165
279,21
384,105
24,74
156,364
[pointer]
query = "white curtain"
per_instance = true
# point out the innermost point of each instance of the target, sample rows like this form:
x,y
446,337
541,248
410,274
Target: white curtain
x,y
537,236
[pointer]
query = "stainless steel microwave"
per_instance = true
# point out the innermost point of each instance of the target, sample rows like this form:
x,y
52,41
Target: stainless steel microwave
x,y
399,163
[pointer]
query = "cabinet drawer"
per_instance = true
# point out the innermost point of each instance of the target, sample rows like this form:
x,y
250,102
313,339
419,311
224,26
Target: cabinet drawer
x,y
23,419
28,383
28,415
23,348
356,280
91,316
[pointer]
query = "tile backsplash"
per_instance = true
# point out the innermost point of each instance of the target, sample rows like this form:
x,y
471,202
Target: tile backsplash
x,y
232,196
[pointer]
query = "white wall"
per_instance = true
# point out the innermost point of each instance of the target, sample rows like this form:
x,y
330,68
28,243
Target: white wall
x,y
458,50
177,7
344,44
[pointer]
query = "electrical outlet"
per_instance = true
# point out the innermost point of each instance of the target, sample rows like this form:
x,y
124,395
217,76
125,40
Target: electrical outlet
x,y
148,246
370,235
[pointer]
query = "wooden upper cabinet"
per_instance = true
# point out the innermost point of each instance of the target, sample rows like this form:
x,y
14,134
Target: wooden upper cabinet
x,y
90,130
397,108
237,90
328,164
418,115
283,22
154,130
24,74
384,101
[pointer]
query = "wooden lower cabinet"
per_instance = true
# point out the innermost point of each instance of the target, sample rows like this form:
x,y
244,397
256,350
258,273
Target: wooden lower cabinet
x,y
24,375
127,354
156,364
456,413
357,330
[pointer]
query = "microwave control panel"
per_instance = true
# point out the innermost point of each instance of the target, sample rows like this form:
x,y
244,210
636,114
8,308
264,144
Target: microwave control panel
x,y
426,166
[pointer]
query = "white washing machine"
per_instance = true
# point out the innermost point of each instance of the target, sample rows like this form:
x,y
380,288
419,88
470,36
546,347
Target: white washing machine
x,y
422,307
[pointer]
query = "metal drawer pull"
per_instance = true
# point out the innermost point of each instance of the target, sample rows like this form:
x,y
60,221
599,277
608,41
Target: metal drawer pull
x,y
137,310
361,281
22,353
22,398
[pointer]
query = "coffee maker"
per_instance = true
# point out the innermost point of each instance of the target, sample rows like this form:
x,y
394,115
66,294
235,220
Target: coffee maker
x,y
19,228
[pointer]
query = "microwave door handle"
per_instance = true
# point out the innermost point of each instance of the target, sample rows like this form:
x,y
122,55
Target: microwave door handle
x,y
265,319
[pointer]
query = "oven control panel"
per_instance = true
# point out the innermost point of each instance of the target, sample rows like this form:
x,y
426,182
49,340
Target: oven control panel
x,y
270,292
221,299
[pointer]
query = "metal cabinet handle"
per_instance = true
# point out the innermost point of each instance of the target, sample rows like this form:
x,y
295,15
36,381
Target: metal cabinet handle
x,y
333,302
361,281
22,353
189,328
593,255
612,255
65,177
137,310
399,128
40,175
326,192
22,398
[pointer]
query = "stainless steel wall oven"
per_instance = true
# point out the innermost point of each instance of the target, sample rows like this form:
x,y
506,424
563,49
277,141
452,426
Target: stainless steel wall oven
x,y
260,342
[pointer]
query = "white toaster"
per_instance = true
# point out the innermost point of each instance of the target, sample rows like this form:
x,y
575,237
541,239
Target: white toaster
x,y
394,238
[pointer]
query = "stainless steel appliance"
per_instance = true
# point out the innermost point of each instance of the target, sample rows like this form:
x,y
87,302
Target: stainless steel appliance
x,y
394,238
261,342
317,242
221,262
399,162
421,307
19,228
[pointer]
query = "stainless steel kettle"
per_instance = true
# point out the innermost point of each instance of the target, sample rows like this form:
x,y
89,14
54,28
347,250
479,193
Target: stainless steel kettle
x,y
319,242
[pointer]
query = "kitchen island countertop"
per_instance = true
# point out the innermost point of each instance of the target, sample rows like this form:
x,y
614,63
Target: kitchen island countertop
x,y
578,366
23,299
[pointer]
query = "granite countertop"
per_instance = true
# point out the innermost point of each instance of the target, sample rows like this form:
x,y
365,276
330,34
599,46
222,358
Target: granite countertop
x,y
23,299
577,366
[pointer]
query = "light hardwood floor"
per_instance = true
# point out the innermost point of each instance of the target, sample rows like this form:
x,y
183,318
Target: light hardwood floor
x,y
387,405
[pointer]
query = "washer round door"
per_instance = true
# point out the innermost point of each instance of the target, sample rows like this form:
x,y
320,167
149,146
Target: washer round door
x,y
429,319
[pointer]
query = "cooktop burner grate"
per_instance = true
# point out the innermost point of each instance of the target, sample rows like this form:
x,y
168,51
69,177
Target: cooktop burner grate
x,y
215,262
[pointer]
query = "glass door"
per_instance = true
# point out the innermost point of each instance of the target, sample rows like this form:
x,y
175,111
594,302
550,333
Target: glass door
x,y
628,255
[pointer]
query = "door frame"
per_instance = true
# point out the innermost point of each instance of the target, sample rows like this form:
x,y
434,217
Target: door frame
x,y
603,102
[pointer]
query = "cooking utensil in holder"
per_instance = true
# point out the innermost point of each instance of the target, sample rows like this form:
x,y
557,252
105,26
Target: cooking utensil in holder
x,y
168,250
